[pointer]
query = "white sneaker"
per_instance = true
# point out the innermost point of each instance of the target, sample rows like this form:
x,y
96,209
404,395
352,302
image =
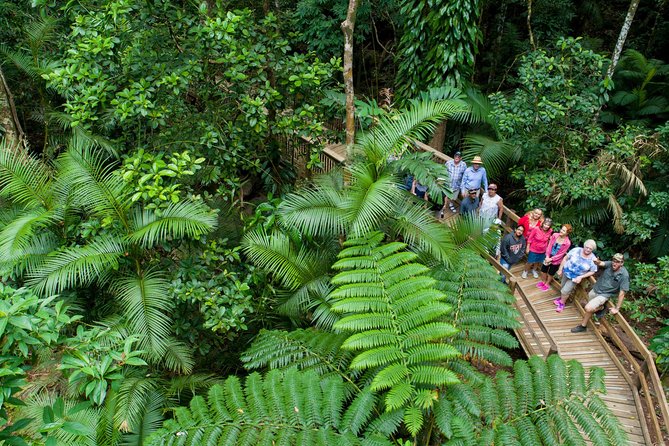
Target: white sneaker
x,y
535,274
524,275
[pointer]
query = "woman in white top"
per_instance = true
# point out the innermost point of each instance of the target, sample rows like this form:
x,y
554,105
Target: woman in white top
x,y
491,204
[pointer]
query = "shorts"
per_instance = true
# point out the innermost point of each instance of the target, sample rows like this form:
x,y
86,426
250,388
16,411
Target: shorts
x,y
567,285
550,269
535,257
597,300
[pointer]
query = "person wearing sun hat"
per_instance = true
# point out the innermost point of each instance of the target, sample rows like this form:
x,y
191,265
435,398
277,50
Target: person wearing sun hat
x,y
615,280
474,177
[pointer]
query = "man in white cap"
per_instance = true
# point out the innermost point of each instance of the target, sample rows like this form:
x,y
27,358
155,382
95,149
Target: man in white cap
x,y
474,176
614,280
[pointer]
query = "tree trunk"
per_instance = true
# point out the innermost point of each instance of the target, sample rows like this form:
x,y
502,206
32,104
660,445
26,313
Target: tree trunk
x,y
9,120
347,27
529,25
634,4
439,136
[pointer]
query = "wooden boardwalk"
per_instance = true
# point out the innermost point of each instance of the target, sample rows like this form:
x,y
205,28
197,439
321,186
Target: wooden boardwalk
x,y
588,348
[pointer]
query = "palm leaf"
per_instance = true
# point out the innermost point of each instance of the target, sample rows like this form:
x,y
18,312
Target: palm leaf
x,y
146,306
24,179
76,266
316,212
179,220
90,179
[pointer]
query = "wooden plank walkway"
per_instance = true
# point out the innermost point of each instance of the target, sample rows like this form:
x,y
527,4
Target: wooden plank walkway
x,y
589,349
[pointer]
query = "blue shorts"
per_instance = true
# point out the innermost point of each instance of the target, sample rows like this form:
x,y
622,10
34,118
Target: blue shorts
x,y
534,257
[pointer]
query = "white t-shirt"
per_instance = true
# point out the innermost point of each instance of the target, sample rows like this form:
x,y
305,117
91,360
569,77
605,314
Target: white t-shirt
x,y
489,206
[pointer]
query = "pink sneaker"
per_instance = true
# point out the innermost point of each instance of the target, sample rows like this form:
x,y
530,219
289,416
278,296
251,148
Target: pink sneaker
x,y
560,307
557,301
541,285
545,287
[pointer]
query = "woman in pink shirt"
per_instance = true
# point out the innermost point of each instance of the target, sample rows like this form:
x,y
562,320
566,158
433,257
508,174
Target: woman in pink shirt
x,y
558,245
536,247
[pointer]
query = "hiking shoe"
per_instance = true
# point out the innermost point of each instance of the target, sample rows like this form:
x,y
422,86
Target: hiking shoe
x,y
441,214
560,307
524,275
541,285
557,301
601,313
535,274
452,208
578,329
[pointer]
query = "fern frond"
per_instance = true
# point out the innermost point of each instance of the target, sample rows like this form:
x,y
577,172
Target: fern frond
x,y
297,413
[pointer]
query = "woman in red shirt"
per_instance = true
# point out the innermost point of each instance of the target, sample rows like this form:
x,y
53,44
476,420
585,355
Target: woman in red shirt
x,y
531,220
536,247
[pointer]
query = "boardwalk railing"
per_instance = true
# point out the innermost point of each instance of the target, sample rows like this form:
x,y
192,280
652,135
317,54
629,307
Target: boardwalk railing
x,y
653,395
645,381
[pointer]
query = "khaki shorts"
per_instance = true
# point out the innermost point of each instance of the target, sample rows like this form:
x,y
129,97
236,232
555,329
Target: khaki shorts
x,y
597,300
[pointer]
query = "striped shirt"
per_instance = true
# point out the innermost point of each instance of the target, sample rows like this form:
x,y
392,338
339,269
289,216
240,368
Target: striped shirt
x,y
455,171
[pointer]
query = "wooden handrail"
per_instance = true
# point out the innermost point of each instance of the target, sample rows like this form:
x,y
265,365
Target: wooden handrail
x,y
513,281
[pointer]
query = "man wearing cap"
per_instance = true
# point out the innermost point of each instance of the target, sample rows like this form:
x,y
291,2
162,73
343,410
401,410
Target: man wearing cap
x,y
614,280
456,169
474,176
470,204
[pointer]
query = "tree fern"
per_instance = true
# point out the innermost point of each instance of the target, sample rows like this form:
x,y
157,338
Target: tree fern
x,y
290,408
545,403
482,308
393,317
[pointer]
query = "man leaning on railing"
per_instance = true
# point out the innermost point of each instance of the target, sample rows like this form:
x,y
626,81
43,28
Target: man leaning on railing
x,y
614,280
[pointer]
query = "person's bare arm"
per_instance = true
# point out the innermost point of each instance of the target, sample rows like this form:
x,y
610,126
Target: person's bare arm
x,y
500,206
621,298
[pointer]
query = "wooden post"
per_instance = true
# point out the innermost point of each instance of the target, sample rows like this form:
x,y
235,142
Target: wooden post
x,y
347,27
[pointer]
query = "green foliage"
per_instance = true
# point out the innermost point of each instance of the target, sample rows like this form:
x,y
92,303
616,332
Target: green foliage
x,y
542,403
292,408
118,257
154,180
96,366
660,345
438,44
393,316
217,282
221,84
27,321
482,308
650,290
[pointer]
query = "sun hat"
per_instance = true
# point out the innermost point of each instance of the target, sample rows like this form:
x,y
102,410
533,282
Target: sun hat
x,y
477,160
618,257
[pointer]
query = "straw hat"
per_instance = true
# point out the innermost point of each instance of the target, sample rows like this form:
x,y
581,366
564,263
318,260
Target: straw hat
x,y
477,160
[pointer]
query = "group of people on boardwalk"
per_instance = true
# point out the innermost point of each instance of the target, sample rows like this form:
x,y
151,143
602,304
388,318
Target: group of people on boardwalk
x,y
549,252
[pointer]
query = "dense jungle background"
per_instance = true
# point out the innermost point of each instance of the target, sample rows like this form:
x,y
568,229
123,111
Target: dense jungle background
x,y
176,270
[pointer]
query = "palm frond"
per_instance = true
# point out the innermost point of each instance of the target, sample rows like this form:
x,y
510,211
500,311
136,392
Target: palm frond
x,y
371,199
179,220
90,179
149,420
392,133
293,267
422,232
76,266
146,306
178,357
19,235
24,179
496,154
316,212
